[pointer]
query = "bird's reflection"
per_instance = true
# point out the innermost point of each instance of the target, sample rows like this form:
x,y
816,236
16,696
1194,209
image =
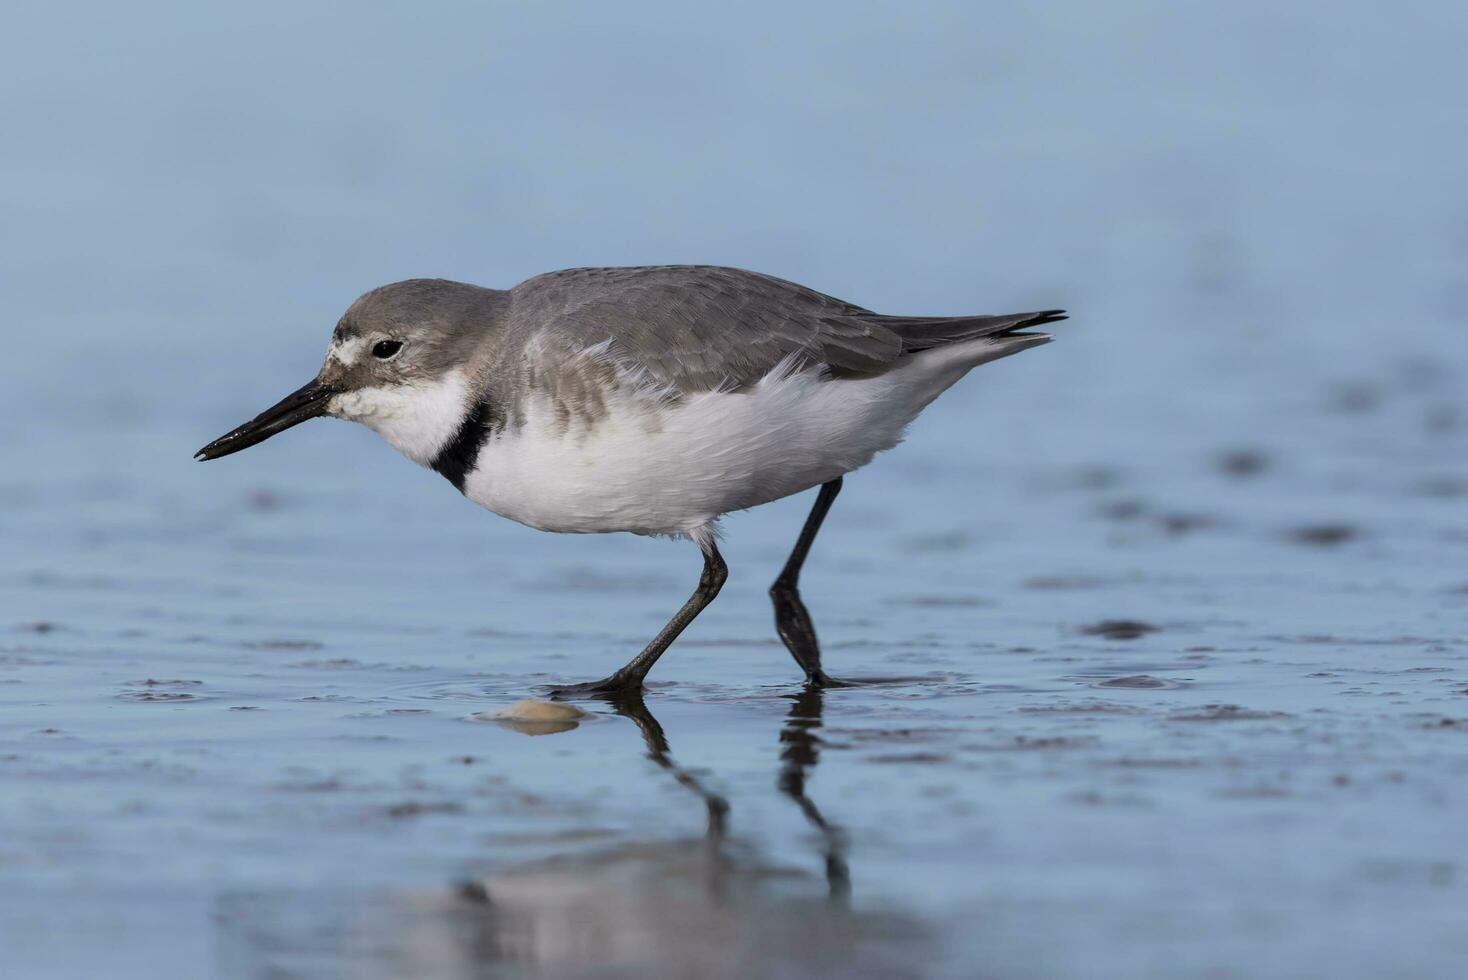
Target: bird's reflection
x,y
630,705
800,753
713,906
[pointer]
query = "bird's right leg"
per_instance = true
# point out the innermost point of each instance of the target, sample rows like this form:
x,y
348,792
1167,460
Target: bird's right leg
x,y
792,619
630,677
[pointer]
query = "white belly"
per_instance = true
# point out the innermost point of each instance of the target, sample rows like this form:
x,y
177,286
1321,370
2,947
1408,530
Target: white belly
x,y
657,467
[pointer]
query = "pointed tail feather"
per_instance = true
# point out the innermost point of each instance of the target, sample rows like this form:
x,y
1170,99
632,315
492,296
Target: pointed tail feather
x,y
923,332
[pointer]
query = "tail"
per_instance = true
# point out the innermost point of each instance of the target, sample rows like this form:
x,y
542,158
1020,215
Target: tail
x,y
958,344
920,333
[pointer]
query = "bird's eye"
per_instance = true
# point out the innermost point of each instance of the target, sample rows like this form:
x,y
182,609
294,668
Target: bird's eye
x,y
384,349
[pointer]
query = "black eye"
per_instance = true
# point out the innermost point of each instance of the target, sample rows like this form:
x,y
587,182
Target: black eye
x,y
384,349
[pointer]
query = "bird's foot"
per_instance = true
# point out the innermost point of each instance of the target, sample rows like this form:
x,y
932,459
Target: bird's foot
x,y
612,688
819,678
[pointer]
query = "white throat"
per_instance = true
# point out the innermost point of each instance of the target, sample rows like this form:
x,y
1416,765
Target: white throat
x,y
416,420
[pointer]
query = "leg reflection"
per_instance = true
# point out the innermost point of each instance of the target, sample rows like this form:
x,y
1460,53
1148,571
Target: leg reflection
x,y
630,705
799,757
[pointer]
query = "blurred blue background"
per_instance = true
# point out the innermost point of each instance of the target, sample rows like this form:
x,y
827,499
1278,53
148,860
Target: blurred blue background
x,y
1251,210
1256,214
209,188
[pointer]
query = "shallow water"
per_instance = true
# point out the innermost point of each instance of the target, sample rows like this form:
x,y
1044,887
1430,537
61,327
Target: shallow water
x,y
1122,749
1177,604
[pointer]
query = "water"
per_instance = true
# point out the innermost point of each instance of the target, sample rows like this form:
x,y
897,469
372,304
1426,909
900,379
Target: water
x,y
1178,600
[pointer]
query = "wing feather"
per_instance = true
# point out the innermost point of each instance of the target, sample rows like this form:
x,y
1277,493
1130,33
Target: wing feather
x,y
703,328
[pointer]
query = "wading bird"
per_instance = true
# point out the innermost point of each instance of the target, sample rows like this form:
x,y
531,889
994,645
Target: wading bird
x,y
651,399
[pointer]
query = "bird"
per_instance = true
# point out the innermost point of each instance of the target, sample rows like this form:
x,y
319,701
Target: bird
x,y
646,399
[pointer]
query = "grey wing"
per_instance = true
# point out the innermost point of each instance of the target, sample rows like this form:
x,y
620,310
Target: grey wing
x,y
699,328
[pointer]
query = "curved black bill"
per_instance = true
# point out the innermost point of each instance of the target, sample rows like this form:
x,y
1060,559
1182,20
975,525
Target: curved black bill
x,y
295,408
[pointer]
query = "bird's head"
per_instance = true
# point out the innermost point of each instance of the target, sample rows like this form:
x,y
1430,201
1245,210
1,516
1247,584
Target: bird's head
x,y
401,361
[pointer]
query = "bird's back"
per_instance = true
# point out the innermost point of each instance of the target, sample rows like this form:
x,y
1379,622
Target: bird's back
x,y
703,328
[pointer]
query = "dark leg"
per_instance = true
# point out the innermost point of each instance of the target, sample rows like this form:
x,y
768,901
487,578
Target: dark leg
x,y
791,618
629,678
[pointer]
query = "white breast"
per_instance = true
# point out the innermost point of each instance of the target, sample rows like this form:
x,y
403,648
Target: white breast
x,y
652,466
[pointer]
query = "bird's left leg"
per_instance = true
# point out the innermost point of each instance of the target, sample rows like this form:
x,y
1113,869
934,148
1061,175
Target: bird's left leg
x,y
630,677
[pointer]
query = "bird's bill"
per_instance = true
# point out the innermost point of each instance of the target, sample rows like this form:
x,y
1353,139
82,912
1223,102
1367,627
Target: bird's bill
x,y
304,403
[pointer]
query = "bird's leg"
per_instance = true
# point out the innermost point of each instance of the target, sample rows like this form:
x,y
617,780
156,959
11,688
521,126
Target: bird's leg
x,y
792,619
630,677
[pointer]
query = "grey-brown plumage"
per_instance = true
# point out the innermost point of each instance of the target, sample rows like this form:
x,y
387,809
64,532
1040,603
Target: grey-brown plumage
x,y
699,327
692,328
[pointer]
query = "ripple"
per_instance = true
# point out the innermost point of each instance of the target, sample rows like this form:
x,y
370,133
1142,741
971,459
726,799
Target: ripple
x,y
151,696
1119,629
1138,682
464,689
1227,712
1323,535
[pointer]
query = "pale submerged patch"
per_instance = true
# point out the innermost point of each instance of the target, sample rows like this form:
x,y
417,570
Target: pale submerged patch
x,y
416,420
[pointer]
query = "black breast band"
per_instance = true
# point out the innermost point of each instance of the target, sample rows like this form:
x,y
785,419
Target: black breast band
x,y
457,458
